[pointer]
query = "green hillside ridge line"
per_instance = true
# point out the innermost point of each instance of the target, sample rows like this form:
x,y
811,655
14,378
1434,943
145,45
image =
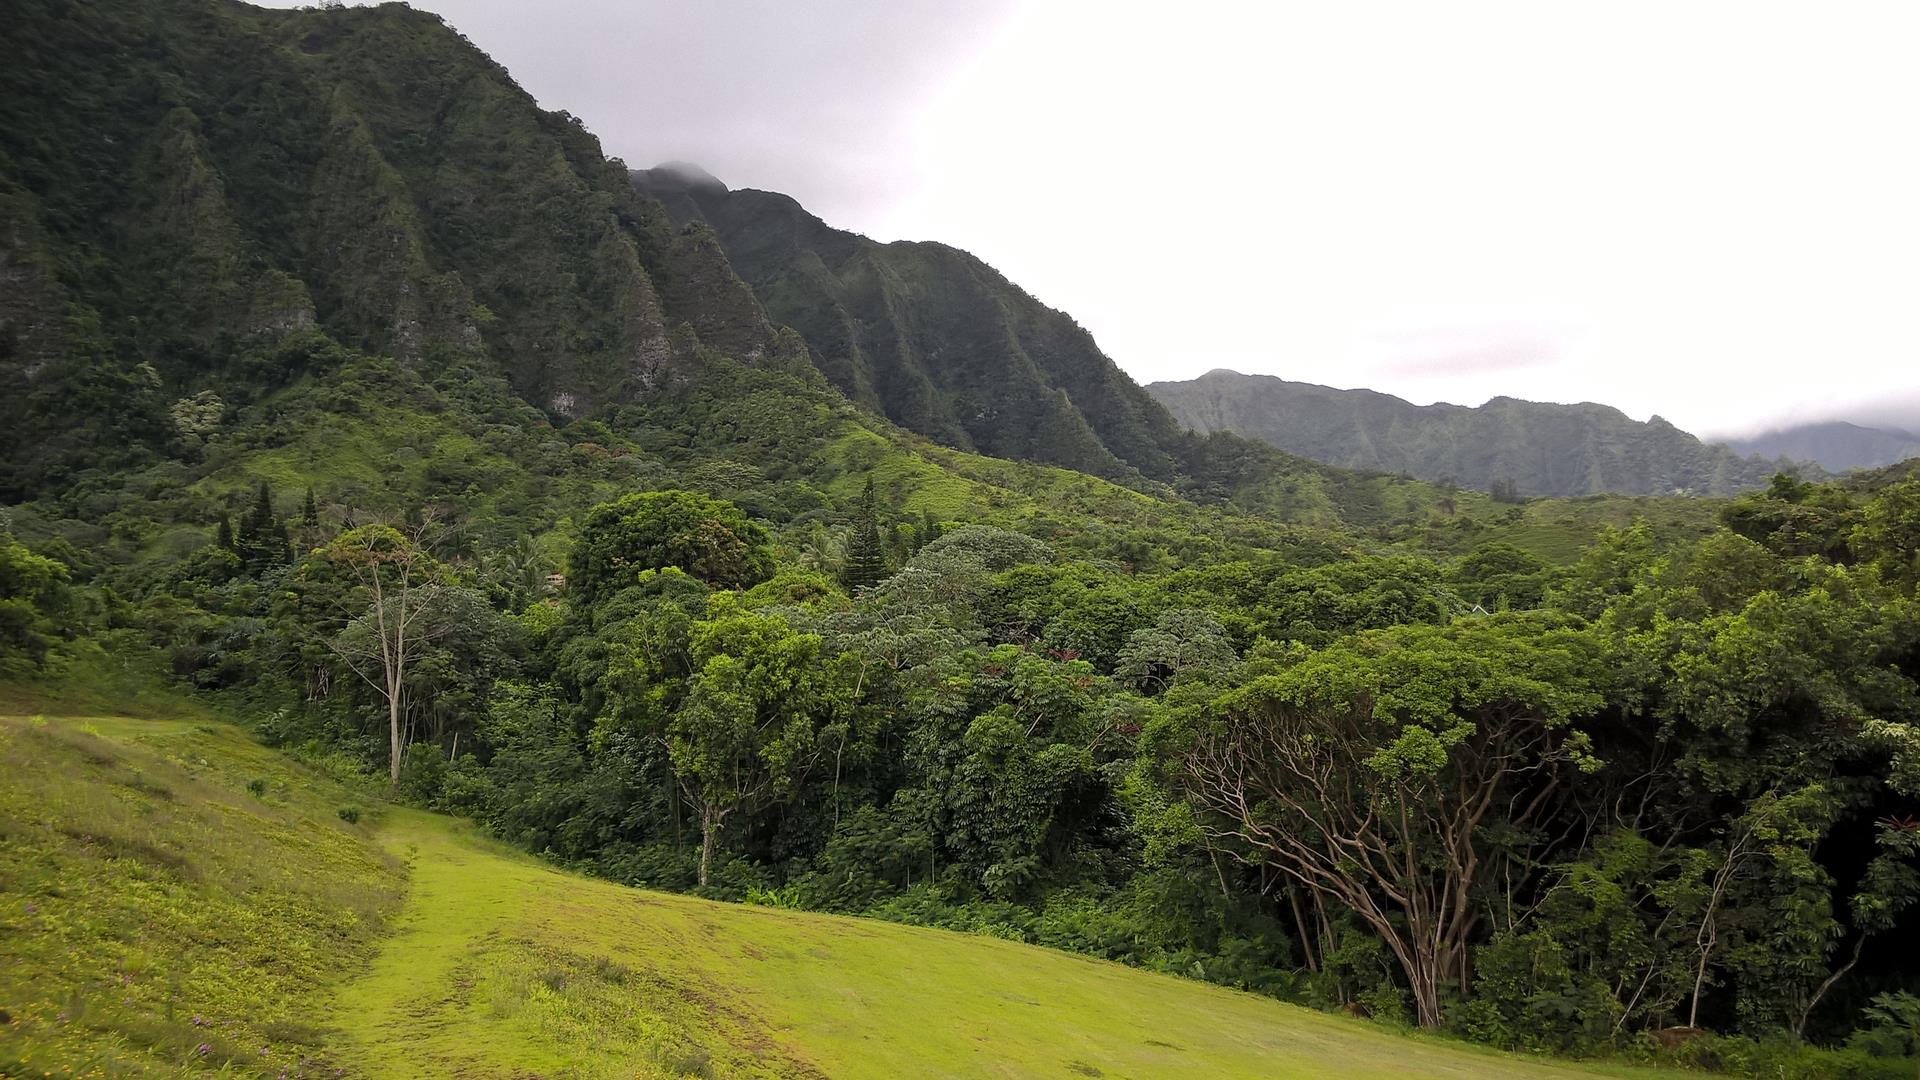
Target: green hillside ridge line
x,y
364,181
1835,445
930,336
498,966
1533,448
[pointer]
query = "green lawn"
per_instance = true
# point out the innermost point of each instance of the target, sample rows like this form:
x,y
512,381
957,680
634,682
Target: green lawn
x,y
137,926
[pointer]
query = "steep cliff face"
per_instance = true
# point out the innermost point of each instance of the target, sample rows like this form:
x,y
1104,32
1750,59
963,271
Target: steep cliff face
x,y
185,182
204,205
1532,447
930,336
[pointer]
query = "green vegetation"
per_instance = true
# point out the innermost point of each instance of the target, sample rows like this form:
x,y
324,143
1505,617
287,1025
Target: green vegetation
x,y
1660,789
884,322
175,897
514,504
277,943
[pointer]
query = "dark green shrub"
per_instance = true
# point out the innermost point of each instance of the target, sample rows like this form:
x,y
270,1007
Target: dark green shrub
x,y
422,774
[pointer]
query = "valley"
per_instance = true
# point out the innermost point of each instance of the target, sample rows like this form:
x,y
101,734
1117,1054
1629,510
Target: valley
x,y
471,607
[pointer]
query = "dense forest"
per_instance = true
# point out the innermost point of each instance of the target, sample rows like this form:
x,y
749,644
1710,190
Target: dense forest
x,y
522,500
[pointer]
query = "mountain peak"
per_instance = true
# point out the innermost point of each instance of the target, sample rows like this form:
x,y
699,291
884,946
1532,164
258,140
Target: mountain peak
x,y
682,174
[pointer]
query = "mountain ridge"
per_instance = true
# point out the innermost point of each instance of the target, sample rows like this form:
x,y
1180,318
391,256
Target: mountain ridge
x,y
929,335
1530,448
1835,445
364,174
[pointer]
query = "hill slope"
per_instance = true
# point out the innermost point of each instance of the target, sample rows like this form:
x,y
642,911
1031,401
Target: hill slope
x,y
1834,444
497,966
247,202
187,217
930,336
1542,449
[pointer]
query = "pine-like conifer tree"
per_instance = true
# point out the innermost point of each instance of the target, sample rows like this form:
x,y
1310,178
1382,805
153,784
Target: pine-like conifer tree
x,y
866,562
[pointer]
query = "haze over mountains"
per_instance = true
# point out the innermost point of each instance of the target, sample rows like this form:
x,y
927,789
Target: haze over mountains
x,y
240,202
1533,448
1539,448
1836,445
214,231
936,340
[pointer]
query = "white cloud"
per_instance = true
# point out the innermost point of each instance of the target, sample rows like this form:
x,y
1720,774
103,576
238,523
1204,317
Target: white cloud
x,y
1704,210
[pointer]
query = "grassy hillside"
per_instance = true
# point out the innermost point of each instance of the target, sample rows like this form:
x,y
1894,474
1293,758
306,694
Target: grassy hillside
x,y
177,898
1558,530
173,895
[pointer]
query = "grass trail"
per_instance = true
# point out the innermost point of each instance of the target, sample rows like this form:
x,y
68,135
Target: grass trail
x,y
502,967
176,899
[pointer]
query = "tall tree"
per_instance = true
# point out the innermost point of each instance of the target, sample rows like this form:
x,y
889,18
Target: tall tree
x,y
261,539
866,562
401,584
761,704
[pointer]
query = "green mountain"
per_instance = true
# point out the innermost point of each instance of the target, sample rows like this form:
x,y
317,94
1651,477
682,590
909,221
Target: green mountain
x,y
1527,447
243,201
350,395
1833,444
930,336
189,190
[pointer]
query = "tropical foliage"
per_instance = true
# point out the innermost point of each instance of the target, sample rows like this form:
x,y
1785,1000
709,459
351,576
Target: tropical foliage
x,y
521,503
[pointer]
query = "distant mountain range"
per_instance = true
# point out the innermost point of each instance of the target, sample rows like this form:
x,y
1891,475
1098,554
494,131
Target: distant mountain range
x,y
939,342
1834,445
1525,447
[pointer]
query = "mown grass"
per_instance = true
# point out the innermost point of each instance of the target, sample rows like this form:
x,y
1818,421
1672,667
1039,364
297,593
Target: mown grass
x,y
156,899
158,915
504,967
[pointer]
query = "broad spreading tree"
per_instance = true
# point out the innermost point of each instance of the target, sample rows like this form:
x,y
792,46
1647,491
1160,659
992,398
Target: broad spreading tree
x,y
709,539
1372,774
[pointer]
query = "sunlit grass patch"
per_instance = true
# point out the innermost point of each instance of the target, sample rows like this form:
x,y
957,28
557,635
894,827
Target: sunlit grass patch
x,y
161,913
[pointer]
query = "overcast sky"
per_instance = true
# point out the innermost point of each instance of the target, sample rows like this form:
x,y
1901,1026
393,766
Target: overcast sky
x,y
1705,210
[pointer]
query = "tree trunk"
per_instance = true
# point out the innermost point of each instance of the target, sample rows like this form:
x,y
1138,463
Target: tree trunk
x,y
1707,935
393,737
1423,976
709,841
1300,927
1800,1022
